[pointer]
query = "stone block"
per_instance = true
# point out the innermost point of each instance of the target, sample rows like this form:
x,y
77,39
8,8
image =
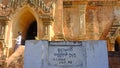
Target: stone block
x,y
65,54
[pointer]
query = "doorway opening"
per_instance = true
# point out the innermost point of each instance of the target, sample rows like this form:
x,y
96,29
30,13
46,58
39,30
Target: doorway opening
x,y
32,31
117,44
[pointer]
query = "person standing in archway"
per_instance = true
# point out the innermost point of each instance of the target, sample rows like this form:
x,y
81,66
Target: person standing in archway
x,y
18,40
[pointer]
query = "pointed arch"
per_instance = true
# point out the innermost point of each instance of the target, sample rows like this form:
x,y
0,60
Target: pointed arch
x,y
22,20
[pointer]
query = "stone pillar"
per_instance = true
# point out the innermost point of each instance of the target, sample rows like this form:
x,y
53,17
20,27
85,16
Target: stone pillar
x,y
58,25
46,26
82,11
95,26
46,30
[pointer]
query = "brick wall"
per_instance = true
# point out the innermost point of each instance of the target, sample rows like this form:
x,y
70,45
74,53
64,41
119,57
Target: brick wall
x,y
5,2
114,59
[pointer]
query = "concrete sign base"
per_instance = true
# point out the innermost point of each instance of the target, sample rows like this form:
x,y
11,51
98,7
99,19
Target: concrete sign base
x,y
65,54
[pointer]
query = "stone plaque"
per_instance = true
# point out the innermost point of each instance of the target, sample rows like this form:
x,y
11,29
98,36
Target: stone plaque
x,y
66,54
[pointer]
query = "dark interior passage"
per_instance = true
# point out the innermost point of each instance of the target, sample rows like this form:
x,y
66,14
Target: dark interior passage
x,y
116,46
32,31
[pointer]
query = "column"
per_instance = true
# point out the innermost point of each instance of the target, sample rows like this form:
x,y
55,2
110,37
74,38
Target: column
x,y
95,26
46,30
58,25
82,11
46,27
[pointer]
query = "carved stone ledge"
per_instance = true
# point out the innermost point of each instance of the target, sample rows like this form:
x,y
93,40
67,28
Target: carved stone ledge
x,y
103,3
58,37
46,18
13,5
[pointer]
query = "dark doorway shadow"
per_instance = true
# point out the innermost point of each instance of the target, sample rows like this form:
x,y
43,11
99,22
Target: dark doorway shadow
x,y
32,31
116,46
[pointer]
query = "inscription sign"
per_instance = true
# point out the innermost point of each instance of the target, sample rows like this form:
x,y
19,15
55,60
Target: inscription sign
x,y
70,54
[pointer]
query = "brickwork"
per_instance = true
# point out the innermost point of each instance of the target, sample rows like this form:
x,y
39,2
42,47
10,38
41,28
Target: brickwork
x,y
5,2
90,0
67,22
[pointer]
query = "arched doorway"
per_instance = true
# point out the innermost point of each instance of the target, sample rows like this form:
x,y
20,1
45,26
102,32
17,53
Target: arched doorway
x,y
32,31
26,20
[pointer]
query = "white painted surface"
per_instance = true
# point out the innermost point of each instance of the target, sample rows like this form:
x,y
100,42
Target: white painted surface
x,y
85,54
33,57
96,54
